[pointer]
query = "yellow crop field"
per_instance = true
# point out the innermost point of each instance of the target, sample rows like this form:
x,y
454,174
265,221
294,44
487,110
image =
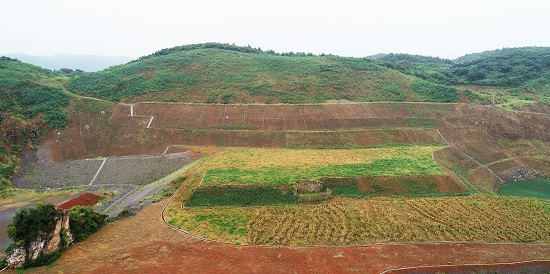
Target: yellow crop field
x,y
477,218
251,158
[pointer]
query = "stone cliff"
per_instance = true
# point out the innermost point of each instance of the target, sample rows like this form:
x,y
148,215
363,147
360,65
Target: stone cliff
x,y
52,242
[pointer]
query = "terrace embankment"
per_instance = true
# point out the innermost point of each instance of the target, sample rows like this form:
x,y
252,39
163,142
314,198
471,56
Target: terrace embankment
x,y
501,141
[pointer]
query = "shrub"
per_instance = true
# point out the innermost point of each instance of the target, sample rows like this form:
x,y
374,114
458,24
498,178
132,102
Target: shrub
x,y
435,92
84,221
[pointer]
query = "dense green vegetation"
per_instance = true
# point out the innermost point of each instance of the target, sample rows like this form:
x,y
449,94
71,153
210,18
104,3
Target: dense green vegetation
x,y
432,69
31,103
535,188
84,221
508,67
219,73
29,224
240,196
522,73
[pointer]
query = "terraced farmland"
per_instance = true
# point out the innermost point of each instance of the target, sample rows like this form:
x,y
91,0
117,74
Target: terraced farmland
x,y
252,176
476,218
434,150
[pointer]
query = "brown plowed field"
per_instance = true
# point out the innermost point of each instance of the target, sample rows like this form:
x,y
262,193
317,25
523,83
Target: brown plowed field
x,y
142,244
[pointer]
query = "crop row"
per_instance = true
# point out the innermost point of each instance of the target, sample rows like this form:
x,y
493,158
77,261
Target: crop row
x,y
379,220
226,196
409,186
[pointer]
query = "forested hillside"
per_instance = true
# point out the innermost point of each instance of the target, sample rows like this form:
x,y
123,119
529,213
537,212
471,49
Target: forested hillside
x,y
32,103
221,73
509,67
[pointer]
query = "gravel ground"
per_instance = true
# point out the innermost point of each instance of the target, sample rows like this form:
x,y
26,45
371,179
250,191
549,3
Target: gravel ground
x,y
141,170
39,171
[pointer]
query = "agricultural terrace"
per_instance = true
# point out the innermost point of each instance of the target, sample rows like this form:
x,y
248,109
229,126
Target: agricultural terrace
x,y
252,176
277,167
476,218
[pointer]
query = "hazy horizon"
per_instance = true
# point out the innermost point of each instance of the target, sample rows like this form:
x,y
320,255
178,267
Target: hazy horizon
x,y
124,28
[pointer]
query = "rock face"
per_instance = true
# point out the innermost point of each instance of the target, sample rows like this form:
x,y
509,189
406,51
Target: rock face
x,y
42,246
521,174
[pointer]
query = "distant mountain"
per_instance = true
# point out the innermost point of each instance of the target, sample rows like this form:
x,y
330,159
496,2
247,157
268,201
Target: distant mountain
x,y
89,63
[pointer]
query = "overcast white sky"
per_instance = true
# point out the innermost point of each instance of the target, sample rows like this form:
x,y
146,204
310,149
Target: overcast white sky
x,y
445,28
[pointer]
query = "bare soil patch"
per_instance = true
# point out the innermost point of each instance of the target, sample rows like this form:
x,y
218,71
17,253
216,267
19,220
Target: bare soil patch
x,y
84,199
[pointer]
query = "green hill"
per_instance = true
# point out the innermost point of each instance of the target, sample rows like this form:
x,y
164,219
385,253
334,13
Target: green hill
x,y
31,104
221,73
509,67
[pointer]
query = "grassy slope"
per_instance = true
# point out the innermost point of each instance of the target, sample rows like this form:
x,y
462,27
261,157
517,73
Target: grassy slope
x,y
32,103
215,75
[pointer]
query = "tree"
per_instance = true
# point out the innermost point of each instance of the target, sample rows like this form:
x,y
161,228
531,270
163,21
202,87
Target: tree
x,y
29,224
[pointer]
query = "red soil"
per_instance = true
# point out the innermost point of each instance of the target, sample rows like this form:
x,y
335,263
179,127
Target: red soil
x,y
84,199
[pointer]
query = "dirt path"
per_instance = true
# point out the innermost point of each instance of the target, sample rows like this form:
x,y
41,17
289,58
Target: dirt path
x,y
142,244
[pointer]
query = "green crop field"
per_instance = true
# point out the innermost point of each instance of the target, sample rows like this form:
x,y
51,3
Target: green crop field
x,y
277,167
